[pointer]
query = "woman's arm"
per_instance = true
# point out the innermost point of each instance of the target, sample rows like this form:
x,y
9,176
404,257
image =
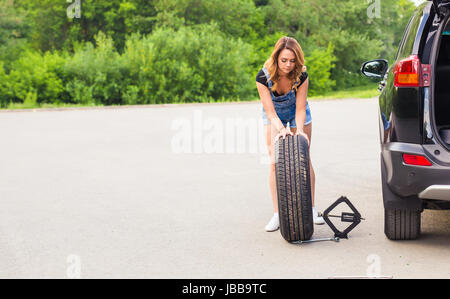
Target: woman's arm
x,y
300,110
266,100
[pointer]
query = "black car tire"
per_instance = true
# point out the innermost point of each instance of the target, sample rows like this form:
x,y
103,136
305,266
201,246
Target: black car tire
x,y
402,216
294,188
402,224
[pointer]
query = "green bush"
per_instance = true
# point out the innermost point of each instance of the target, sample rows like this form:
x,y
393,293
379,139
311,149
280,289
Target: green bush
x,y
5,91
137,60
192,64
37,78
197,63
94,74
320,63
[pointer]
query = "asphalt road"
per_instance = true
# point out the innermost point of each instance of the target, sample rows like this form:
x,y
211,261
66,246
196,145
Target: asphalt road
x,y
181,191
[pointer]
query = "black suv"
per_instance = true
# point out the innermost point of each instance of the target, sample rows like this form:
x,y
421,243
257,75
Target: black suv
x,y
414,119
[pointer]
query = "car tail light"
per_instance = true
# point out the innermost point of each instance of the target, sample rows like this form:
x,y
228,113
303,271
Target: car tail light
x,y
416,160
407,72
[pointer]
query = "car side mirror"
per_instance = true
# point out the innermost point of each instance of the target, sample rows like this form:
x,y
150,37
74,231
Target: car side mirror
x,y
375,68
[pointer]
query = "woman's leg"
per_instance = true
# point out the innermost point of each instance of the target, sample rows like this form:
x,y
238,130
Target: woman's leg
x,y
270,134
308,130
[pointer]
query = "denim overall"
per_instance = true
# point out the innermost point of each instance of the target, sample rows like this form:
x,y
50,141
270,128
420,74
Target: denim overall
x,y
285,106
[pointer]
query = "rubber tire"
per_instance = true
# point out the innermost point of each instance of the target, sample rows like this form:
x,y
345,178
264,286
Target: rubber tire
x,y
294,188
402,224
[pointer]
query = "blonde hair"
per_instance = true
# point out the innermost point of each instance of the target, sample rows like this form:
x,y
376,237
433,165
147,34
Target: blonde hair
x,y
272,63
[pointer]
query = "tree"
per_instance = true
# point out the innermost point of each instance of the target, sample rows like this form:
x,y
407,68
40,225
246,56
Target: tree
x,y
54,29
13,32
237,18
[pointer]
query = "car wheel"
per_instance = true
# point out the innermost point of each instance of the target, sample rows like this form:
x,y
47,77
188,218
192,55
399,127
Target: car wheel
x,y
402,224
294,188
402,216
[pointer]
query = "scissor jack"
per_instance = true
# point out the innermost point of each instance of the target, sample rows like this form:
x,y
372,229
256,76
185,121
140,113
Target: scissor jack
x,y
353,218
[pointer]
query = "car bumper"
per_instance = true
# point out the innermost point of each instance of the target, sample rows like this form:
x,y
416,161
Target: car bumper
x,y
425,182
439,192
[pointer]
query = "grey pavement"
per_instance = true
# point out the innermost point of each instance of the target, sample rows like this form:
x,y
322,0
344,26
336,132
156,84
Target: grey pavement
x,y
175,191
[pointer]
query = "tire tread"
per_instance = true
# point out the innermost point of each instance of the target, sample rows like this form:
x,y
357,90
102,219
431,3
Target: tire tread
x,y
294,188
402,224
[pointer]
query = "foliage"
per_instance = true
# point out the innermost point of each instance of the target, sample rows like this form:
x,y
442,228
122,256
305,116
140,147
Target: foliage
x,y
95,74
163,51
5,91
36,77
197,63
52,28
320,63
13,32
237,18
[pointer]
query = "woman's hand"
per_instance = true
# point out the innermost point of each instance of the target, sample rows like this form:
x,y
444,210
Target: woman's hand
x,y
299,132
283,133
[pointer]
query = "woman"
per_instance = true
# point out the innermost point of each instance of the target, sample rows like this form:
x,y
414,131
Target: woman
x,y
283,86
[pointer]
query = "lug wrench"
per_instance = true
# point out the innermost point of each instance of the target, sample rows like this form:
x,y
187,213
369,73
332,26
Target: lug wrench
x,y
335,239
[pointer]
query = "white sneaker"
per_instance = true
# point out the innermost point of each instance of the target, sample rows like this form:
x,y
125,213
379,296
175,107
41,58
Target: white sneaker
x,y
273,224
316,218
